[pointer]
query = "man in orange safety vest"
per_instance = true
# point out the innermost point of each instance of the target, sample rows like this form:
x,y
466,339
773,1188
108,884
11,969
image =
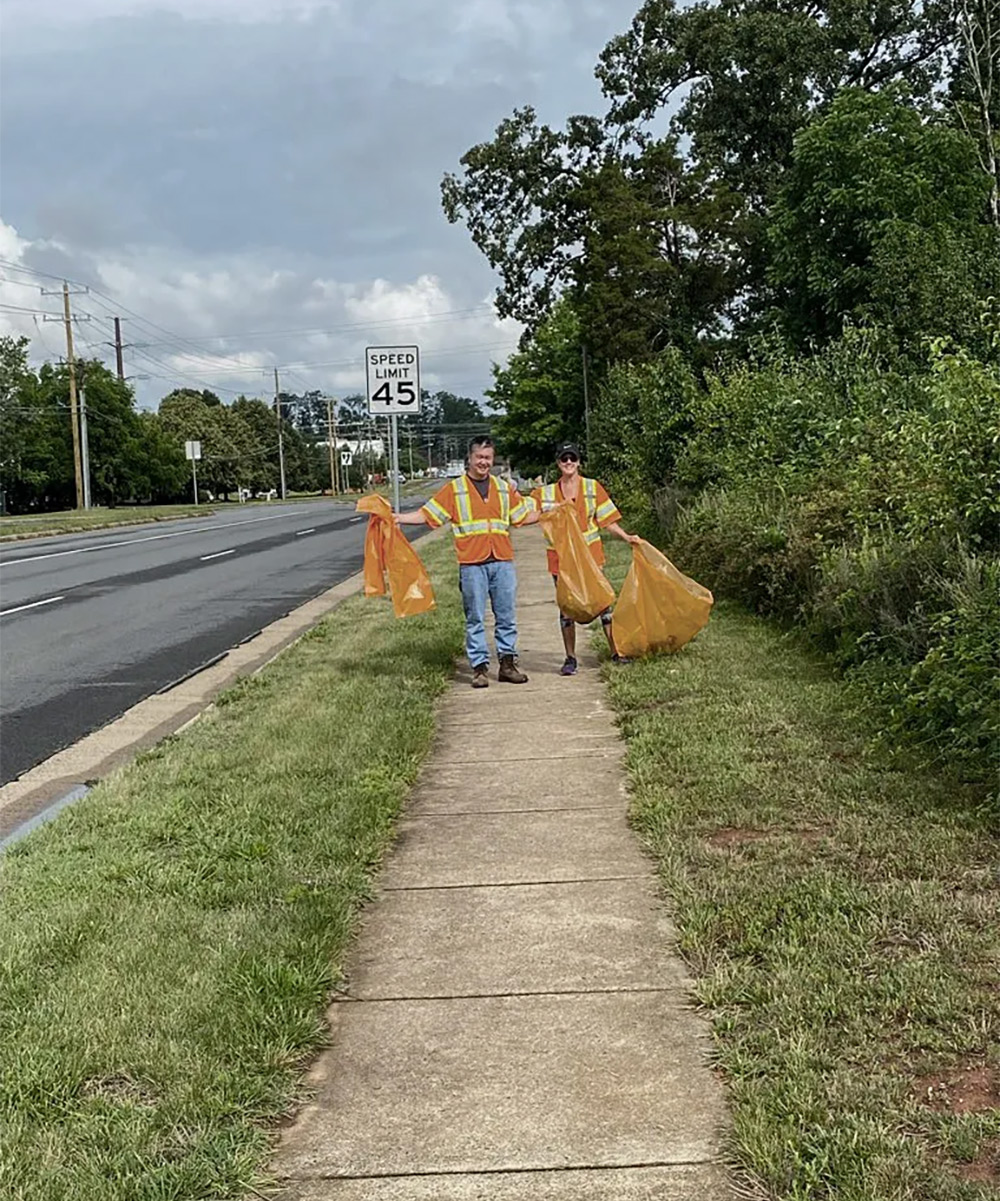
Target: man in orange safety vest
x,y
482,508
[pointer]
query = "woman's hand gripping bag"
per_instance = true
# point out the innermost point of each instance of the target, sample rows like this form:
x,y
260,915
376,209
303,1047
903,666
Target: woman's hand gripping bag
x,y
659,608
582,592
387,552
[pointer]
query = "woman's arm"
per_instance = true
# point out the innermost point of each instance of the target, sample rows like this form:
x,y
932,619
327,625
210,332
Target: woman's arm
x,y
617,530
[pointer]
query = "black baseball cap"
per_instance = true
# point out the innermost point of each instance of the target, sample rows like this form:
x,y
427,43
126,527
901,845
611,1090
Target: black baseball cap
x,y
567,448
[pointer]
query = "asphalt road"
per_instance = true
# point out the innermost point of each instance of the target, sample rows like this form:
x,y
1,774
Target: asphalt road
x,y
90,624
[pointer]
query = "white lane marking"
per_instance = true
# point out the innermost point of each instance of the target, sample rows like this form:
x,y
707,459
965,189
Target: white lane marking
x,y
301,532
354,519
34,605
82,550
218,554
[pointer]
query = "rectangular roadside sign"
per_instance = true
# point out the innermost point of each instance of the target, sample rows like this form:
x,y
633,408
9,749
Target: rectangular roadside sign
x,y
393,377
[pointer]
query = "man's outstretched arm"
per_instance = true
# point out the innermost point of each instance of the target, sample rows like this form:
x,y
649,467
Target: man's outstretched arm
x,y
416,517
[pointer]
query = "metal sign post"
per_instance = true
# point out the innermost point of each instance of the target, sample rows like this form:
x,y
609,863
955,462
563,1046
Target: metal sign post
x,y
392,374
192,450
394,444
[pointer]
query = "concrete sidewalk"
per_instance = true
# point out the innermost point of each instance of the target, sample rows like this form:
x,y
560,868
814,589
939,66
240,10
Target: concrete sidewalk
x,y
516,1024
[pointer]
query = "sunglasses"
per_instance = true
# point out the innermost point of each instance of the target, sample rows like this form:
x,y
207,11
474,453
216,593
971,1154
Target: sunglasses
x,y
569,459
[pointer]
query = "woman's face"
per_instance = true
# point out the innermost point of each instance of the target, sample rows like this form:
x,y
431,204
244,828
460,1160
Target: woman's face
x,y
569,465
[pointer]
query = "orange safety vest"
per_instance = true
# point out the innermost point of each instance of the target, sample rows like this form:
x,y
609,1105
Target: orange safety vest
x,y
481,527
594,514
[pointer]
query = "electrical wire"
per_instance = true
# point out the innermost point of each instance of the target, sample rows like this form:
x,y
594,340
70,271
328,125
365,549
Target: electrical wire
x,y
212,367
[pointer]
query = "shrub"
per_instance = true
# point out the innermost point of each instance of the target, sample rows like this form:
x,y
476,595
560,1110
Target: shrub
x,y
857,500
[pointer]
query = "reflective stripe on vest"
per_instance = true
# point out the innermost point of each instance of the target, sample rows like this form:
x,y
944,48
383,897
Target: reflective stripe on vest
x,y
469,527
591,533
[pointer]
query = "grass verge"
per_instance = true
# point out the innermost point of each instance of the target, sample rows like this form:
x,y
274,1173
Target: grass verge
x,y
841,917
14,529
167,945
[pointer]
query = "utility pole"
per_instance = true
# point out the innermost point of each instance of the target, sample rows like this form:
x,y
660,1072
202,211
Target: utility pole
x,y
331,442
73,415
586,399
84,446
281,444
118,349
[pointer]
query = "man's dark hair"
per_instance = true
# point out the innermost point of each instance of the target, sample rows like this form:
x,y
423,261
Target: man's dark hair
x,y
480,440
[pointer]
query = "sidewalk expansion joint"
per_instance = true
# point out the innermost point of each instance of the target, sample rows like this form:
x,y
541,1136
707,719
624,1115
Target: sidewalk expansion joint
x,y
595,753
344,997
613,805
513,883
418,1173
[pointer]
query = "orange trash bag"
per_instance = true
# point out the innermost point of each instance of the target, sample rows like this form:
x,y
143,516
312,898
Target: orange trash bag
x,y
582,592
659,608
387,552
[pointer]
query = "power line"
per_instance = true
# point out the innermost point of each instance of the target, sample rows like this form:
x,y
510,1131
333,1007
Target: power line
x,y
210,367
448,315
17,308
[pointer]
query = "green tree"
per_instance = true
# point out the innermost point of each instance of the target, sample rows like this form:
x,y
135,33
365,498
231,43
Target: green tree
x,y
638,242
747,75
653,244
36,448
444,426
231,452
975,91
880,217
161,472
642,417
261,473
540,394
114,433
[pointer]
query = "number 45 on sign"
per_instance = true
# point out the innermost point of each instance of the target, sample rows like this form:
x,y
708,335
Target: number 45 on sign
x,y
393,377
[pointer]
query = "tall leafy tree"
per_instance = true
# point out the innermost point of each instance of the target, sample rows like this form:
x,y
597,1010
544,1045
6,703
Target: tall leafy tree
x,y
746,75
231,453
881,216
541,394
36,449
976,88
661,237
639,242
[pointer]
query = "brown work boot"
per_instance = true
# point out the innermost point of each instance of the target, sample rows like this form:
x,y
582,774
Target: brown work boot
x,y
509,673
481,676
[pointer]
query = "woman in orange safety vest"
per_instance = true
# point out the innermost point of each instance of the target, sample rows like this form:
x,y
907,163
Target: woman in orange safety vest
x,y
595,511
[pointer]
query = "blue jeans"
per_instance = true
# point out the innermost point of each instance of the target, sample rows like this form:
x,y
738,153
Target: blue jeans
x,y
498,581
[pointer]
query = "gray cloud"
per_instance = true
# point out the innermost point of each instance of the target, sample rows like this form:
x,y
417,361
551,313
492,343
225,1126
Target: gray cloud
x,y
221,146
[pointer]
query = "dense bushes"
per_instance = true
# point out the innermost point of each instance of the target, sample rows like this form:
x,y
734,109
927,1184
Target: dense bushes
x,y
857,501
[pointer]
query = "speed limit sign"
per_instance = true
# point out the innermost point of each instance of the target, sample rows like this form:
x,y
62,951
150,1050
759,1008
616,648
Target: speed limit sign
x,y
393,376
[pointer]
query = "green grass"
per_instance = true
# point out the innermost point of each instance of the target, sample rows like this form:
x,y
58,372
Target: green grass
x,y
72,521
167,945
841,916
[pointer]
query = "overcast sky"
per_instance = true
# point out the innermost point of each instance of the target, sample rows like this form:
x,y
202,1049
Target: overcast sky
x,y
268,171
